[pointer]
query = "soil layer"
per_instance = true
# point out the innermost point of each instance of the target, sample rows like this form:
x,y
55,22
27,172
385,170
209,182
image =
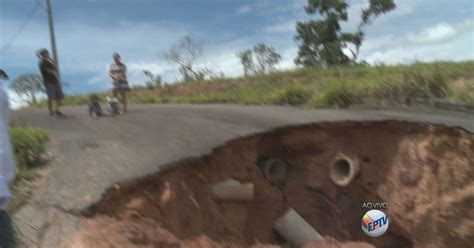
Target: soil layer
x,y
423,172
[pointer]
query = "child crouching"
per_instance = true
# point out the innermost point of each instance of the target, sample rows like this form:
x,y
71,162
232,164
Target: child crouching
x,y
95,110
114,107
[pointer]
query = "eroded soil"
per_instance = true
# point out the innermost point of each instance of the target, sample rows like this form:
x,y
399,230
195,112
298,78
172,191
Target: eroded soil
x,y
423,171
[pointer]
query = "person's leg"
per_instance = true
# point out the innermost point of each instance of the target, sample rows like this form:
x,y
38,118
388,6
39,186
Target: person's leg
x,y
50,106
50,95
57,105
58,95
7,239
124,101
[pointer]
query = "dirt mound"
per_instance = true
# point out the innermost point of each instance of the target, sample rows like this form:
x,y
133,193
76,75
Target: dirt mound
x,y
423,172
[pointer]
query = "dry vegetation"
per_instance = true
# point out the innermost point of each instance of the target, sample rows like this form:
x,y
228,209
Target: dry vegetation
x,y
316,87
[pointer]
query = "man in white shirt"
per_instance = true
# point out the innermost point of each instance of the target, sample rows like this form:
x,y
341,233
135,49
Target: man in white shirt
x,y
7,167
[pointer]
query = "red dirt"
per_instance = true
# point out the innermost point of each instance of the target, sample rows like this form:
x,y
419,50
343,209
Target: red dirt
x,y
424,172
108,232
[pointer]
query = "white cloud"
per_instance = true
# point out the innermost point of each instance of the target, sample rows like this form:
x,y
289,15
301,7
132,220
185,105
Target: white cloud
x,y
230,65
17,101
437,42
432,34
222,56
98,78
287,57
168,72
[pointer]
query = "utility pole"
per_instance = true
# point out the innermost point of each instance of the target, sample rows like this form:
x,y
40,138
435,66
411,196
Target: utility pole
x,y
52,36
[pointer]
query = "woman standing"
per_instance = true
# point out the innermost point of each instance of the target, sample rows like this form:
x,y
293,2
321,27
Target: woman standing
x,y
7,168
118,73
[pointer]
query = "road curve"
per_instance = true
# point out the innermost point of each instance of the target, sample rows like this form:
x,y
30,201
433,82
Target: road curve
x,y
92,155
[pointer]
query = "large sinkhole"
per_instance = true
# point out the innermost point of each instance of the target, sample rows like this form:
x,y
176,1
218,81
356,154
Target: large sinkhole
x,y
424,172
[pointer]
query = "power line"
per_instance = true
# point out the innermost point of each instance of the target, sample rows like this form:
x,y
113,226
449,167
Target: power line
x,y
22,27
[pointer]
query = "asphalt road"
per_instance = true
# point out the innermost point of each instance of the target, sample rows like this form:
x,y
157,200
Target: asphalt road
x,y
92,155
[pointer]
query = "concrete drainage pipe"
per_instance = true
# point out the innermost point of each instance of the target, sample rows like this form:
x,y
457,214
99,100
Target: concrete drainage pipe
x,y
295,229
343,169
233,190
273,169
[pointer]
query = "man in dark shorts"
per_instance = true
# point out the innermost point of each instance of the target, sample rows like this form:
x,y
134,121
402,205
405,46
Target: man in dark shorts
x,y
51,82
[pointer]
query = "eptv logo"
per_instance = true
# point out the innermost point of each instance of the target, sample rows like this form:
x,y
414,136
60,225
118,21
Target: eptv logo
x,y
374,223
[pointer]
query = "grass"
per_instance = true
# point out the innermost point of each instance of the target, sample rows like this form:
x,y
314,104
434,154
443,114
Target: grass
x,y
28,147
338,94
317,87
292,94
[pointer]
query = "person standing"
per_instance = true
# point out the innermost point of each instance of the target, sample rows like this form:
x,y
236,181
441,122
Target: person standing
x,y
51,82
118,73
7,168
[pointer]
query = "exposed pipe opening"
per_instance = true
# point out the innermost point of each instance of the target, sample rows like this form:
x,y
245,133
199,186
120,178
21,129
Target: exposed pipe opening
x,y
274,170
343,170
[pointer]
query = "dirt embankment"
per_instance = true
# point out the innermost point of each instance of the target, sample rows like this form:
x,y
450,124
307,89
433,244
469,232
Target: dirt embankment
x,y
424,172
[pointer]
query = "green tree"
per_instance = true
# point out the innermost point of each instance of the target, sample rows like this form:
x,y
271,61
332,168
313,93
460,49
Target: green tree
x,y
260,59
185,54
322,42
28,85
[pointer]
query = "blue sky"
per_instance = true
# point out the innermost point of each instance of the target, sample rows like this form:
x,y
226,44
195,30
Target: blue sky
x,y
89,31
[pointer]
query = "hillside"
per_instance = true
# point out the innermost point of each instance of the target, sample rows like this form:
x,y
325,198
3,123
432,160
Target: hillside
x,y
315,87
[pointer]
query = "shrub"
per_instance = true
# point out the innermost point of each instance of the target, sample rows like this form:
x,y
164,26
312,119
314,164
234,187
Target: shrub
x,y
249,93
415,85
438,85
292,94
336,94
28,145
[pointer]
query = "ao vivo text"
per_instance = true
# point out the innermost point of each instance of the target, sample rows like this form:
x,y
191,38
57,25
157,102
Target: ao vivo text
x,y
374,205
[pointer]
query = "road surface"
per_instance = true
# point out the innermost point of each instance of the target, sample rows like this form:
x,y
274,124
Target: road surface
x,y
92,155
